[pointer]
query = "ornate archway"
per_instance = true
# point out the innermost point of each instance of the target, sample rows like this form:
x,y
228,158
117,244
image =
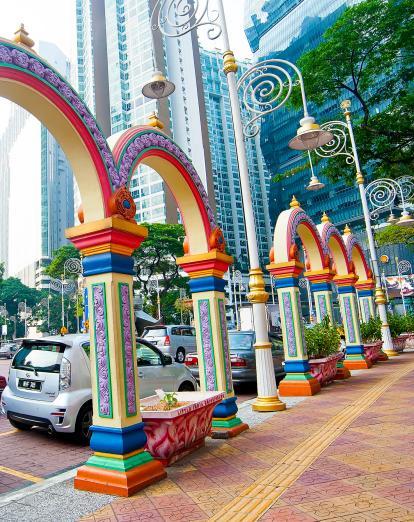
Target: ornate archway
x,y
286,268
107,237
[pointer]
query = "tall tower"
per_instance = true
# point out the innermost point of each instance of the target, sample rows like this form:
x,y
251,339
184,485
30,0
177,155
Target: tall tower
x,y
57,206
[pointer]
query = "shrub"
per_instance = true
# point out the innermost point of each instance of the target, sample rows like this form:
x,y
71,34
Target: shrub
x,y
371,331
397,324
322,339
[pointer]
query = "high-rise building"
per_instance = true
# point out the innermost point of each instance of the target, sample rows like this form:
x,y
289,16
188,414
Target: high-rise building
x,y
17,120
286,29
226,178
57,206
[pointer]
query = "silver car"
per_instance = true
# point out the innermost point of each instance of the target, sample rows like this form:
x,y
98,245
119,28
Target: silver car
x,y
176,339
49,383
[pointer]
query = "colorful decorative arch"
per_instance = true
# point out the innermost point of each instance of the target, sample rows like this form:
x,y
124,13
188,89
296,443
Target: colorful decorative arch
x,y
32,83
151,147
334,243
295,222
356,254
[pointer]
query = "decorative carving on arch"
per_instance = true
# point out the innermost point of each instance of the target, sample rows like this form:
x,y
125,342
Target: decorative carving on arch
x,y
358,261
327,231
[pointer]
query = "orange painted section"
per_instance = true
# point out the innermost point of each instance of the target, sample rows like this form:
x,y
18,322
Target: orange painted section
x,y
360,364
228,433
342,373
299,388
124,484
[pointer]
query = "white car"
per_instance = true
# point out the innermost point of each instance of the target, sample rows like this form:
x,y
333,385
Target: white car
x,y
49,382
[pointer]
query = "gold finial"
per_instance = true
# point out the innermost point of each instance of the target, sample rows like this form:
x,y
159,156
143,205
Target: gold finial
x,y
294,203
154,121
21,36
347,230
325,218
229,62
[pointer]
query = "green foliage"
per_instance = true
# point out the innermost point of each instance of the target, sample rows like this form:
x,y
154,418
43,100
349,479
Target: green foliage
x,y
54,323
13,292
393,235
322,339
157,257
368,54
409,322
2,270
169,401
397,324
62,254
371,331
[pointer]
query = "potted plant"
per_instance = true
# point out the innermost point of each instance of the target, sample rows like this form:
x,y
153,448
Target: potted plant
x,y
371,337
323,348
398,325
177,424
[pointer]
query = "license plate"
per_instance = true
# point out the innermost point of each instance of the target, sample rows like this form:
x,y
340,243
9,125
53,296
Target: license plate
x,y
30,385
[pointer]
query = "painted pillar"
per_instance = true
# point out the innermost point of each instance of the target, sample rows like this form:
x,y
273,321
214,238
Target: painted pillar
x,y
366,299
207,287
322,290
119,465
355,358
298,380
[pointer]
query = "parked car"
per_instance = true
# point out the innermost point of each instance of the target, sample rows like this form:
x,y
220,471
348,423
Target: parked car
x,y
50,383
242,357
176,340
7,350
3,384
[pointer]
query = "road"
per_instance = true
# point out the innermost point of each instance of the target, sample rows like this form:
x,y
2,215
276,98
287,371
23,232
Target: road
x,y
30,457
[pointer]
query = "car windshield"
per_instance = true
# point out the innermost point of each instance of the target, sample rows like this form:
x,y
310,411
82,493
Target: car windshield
x,y
39,357
155,332
240,341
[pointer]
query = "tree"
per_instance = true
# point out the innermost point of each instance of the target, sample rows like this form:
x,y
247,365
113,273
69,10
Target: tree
x,y
393,235
156,258
2,270
368,54
62,254
13,292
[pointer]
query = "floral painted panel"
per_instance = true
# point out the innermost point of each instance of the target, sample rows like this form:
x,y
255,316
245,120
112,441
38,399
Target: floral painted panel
x,y
207,344
127,349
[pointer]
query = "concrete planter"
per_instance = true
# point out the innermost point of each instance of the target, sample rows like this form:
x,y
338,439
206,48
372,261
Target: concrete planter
x,y
173,434
324,369
372,351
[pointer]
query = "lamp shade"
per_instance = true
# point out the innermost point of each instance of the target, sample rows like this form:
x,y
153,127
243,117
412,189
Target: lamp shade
x,y
158,87
405,220
310,136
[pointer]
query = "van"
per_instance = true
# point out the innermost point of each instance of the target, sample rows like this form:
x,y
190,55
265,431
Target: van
x,y
175,340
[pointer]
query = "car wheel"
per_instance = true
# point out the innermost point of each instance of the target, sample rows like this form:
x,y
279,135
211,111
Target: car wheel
x,y
180,355
83,423
186,386
19,425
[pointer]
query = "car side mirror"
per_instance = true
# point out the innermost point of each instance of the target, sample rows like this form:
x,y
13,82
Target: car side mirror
x,y
167,360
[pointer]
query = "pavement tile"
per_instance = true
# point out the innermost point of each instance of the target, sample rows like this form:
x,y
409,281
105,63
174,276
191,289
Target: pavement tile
x,y
286,514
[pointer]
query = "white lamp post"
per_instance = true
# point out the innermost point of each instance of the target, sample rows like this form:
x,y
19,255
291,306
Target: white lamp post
x,y
72,265
339,147
403,267
264,91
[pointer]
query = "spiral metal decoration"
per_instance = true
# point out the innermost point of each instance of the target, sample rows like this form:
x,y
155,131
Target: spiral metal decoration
x,y
56,285
381,195
237,277
404,267
175,18
406,185
339,145
303,283
3,311
73,266
266,87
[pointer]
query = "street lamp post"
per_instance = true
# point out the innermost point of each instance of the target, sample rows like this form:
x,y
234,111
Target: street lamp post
x,y
175,19
73,265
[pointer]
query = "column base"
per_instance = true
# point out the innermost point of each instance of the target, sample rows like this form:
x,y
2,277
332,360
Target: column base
x,y
382,356
357,364
391,353
300,388
227,428
342,373
121,483
268,404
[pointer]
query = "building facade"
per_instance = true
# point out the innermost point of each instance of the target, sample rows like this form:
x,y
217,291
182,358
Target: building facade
x,y
286,29
226,178
57,182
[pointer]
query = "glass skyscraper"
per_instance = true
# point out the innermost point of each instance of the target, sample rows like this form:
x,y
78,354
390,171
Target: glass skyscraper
x,y
286,29
225,167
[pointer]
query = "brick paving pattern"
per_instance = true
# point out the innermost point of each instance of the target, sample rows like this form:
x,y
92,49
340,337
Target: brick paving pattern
x,y
366,474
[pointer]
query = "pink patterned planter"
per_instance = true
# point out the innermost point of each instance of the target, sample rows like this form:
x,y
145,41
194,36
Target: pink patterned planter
x,y
173,434
324,369
399,342
372,351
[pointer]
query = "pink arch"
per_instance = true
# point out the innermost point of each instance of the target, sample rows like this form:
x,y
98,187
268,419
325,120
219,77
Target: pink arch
x,y
327,232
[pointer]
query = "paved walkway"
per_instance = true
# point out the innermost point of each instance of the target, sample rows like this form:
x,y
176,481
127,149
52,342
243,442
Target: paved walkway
x,y
343,455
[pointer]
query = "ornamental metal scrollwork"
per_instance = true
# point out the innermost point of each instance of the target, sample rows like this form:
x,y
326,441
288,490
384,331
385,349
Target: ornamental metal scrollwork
x,y
175,18
339,145
265,88
383,193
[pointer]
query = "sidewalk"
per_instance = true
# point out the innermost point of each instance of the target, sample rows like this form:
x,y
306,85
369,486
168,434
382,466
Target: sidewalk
x,y
343,455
